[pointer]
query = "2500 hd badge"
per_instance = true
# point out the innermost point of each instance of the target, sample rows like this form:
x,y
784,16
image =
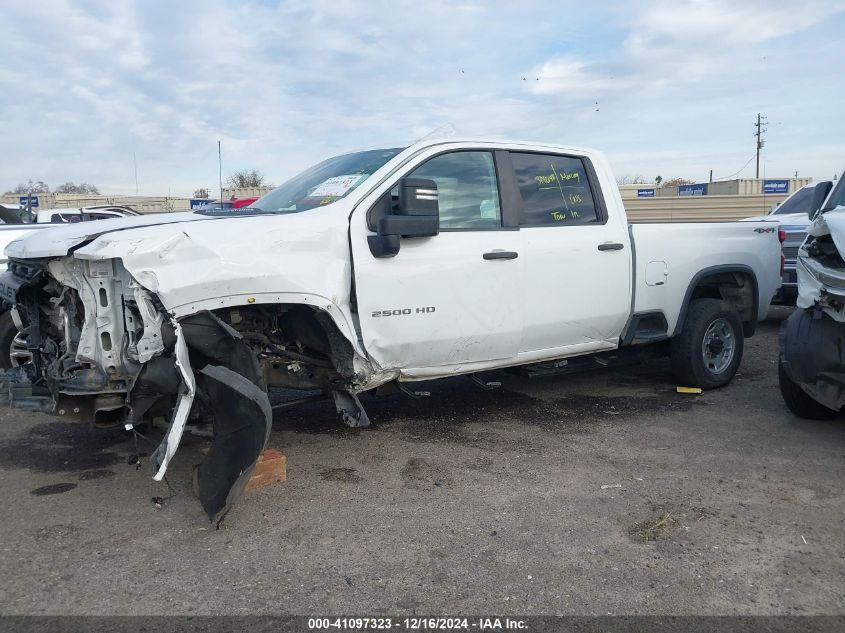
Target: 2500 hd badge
x,y
403,311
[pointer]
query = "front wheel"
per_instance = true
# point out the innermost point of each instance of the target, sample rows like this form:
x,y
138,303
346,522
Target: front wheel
x,y
8,332
799,402
708,350
13,350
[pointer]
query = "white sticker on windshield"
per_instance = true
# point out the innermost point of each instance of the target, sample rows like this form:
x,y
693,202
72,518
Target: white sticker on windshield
x,y
336,186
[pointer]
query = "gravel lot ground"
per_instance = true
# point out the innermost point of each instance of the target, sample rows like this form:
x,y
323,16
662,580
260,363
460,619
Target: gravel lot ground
x,y
596,493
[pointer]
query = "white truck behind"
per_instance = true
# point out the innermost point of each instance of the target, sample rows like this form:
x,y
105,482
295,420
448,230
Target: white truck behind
x,y
13,352
383,266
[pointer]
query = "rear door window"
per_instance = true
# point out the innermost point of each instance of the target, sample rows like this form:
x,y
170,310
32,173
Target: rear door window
x,y
555,190
100,216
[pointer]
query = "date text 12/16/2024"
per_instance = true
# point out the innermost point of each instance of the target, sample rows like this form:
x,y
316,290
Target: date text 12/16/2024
x,y
416,624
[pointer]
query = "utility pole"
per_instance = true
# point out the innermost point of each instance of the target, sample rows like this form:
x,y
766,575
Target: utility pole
x,y
760,125
220,165
135,162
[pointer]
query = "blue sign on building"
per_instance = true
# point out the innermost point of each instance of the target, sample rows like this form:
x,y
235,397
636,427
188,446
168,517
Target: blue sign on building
x,y
196,203
775,186
33,201
645,193
692,190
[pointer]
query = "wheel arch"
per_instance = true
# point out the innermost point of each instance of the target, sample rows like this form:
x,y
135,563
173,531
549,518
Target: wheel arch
x,y
317,328
725,282
338,314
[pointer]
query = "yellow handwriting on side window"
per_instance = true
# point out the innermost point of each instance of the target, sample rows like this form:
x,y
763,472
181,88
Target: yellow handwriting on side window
x,y
558,216
545,180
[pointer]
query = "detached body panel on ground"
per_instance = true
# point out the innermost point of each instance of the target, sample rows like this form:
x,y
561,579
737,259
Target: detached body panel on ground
x,y
385,266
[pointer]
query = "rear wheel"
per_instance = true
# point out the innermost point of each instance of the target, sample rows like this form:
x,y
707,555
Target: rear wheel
x,y
799,402
708,350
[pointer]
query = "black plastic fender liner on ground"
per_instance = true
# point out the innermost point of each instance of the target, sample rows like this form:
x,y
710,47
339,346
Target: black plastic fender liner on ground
x,y
812,352
231,377
242,422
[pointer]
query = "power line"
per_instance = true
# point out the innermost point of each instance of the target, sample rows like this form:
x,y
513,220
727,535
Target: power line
x,y
736,172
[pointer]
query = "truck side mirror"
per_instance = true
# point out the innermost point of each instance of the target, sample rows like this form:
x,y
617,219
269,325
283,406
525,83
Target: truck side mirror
x,y
820,192
417,215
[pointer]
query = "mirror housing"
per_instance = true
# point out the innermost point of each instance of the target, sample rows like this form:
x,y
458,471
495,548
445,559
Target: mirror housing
x,y
820,193
418,196
417,215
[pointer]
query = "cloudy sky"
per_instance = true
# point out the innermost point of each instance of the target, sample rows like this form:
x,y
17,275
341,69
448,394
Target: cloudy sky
x,y
664,87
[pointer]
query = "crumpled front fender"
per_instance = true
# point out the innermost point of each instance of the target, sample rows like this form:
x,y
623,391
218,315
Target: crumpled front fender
x,y
812,353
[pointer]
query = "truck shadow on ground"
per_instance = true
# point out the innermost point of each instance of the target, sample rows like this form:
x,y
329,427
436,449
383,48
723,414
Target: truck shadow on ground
x,y
57,446
458,410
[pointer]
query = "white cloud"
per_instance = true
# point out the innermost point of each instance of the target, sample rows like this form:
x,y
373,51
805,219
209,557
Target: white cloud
x,y
285,84
568,75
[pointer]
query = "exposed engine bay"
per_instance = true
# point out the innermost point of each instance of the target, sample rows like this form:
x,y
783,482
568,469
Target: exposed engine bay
x,y
821,268
110,354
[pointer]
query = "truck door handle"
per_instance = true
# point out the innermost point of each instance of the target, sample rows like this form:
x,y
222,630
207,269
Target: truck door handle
x,y
501,255
611,246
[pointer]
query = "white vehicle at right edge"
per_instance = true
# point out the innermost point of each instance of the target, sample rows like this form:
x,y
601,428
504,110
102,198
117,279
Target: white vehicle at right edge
x,y
812,341
382,266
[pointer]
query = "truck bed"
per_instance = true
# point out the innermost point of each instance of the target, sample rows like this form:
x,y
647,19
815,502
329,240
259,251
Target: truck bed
x,y
667,257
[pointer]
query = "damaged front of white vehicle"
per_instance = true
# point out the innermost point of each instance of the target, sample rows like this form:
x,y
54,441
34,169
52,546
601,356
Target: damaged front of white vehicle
x,y
192,316
812,342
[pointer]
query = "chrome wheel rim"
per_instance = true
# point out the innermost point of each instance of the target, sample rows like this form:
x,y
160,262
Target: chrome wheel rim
x,y
718,346
18,354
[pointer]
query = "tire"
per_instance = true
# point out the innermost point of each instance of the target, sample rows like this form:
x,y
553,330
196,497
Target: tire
x,y
699,363
799,402
8,332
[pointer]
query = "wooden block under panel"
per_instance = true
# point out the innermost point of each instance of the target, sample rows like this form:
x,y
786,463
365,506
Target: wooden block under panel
x,y
271,468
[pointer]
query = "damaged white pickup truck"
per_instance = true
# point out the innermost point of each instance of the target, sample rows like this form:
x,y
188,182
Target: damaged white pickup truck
x,y
376,267
812,341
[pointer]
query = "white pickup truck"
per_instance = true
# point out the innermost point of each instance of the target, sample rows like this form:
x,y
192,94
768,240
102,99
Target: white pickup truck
x,y
381,266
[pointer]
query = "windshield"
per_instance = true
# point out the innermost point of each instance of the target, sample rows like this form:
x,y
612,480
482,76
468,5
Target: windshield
x,y
324,183
837,198
799,202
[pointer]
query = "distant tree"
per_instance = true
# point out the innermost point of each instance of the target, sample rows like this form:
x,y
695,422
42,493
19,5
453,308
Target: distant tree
x,y
83,188
201,193
247,178
39,186
658,180
674,182
639,179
